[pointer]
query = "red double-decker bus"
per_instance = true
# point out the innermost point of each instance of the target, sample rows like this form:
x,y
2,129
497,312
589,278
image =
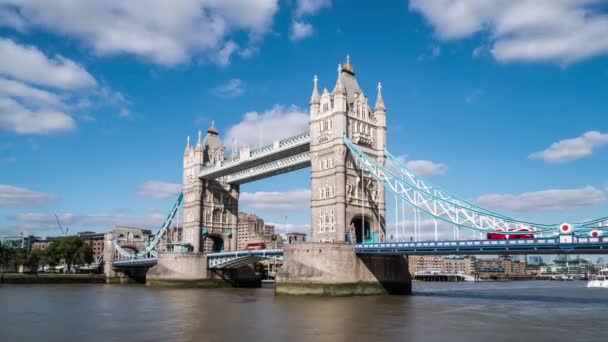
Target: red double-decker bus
x,y
255,246
500,236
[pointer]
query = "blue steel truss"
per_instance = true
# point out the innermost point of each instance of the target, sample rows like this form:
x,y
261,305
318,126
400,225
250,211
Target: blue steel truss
x,y
134,263
232,260
150,247
443,206
554,245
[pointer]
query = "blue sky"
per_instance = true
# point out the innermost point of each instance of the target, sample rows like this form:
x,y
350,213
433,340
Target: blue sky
x,y
501,102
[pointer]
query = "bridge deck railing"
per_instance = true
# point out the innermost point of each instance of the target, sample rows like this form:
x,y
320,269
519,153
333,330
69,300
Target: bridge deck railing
x,y
277,146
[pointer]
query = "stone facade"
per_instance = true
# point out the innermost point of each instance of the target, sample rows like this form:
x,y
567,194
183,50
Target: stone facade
x,y
210,208
440,264
346,202
251,229
335,269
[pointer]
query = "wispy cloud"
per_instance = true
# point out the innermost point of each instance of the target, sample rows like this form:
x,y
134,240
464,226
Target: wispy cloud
x,y
158,189
423,167
544,200
42,222
288,201
472,97
546,30
16,196
309,7
300,30
29,64
433,52
234,88
281,228
572,149
150,30
42,94
276,123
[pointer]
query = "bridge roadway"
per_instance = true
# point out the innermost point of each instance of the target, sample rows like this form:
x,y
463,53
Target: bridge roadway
x,y
564,244
553,245
282,156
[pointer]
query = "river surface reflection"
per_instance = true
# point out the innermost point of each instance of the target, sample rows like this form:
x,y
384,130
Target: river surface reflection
x,y
501,311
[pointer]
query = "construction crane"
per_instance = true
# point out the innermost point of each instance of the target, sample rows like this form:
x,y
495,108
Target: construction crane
x,y
64,232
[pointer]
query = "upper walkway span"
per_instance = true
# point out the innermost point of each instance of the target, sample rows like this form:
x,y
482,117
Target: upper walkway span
x,y
248,165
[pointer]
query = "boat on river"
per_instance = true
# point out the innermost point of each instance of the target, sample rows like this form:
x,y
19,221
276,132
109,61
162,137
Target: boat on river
x,y
600,280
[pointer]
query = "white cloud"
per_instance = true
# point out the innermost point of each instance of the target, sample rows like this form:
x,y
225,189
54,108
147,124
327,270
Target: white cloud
x,y
29,64
41,94
423,167
543,201
427,230
524,30
234,88
16,196
426,167
572,149
158,190
433,52
308,7
473,96
17,118
39,222
276,123
23,91
281,228
300,30
288,201
222,56
166,33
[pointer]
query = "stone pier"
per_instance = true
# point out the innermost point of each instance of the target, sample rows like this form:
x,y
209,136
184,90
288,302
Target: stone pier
x,y
334,269
180,270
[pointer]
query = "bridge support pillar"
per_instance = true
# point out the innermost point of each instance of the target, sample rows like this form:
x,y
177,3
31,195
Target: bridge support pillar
x,y
108,256
188,270
335,270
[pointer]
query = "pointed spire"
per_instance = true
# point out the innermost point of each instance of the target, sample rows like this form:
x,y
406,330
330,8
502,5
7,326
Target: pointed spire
x,y
339,88
212,128
200,140
348,67
379,100
314,98
187,144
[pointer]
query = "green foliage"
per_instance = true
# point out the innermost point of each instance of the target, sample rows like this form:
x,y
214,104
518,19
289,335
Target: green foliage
x,y
84,255
12,257
36,258
71,250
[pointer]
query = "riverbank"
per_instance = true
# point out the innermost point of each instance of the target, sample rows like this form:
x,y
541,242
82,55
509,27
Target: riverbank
x,y
50,278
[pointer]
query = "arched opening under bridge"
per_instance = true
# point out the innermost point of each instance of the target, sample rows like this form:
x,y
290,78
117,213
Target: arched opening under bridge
x,y
217,243
362,226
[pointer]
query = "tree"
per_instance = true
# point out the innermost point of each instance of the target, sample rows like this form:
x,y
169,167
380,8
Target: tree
x,y
18,257
36,258
65,249
84,255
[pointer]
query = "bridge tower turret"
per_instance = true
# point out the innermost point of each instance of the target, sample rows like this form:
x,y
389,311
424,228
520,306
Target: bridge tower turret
x,y
347,204
210,208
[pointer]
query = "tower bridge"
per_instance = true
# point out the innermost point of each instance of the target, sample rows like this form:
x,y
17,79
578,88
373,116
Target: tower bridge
x,y
350,170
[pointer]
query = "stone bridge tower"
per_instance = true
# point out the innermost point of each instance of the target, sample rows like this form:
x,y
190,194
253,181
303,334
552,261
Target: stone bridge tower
x,y
210,208
347,203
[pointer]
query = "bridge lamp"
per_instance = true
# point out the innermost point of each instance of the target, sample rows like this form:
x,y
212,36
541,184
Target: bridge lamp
x,y
596,233
565,228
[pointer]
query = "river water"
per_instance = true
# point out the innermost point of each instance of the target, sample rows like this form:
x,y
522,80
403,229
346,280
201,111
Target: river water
x,y
491,311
